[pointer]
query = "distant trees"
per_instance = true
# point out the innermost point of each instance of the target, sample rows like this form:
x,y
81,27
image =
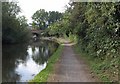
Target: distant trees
x,y
41,18
54,16
59,28
14,27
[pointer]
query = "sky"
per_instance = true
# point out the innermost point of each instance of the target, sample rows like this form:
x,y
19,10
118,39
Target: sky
x,y
29,7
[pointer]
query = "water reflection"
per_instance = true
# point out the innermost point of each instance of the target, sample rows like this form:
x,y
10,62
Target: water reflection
x,y
23,62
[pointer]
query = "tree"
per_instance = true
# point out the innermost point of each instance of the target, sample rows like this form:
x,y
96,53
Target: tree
x,y
14,28
23,21
42,19
54,16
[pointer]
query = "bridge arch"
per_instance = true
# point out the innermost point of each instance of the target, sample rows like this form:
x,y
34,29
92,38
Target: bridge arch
x,y
35,34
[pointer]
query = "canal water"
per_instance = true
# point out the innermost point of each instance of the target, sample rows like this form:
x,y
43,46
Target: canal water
x,y
20,63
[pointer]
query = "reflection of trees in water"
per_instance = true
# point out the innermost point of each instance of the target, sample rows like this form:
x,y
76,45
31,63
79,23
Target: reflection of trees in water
x,y
9,61
13,55
33,48
45,50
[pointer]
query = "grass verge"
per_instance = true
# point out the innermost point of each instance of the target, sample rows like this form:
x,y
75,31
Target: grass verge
x,y
97,66
43,75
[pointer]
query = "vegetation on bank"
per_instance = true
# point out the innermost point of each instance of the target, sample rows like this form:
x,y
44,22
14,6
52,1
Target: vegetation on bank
x,y
43,75
97,66
14,27
96,27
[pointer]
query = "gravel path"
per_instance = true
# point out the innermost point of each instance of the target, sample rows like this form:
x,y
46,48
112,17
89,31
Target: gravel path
x,y
70,68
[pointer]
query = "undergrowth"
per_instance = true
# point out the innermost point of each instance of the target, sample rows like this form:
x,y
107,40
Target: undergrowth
x,y
102,68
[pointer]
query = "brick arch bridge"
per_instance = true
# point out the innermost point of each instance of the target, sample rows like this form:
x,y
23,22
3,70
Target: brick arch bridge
x,y
36,32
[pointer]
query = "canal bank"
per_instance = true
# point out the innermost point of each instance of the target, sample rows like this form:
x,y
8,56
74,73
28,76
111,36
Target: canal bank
x,y
43,75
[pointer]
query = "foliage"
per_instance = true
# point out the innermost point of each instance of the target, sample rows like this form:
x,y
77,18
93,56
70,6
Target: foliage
x,y
14,28
39,17
97,27
42,18
98,67
60,28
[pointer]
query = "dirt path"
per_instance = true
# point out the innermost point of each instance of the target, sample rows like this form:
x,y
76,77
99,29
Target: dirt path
x,y
70,68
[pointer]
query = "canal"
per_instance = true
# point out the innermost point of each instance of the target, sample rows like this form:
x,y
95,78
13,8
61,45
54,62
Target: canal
x,y
21,62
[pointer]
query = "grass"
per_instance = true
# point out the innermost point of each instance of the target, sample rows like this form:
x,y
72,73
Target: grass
x,y
43,75
96,65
